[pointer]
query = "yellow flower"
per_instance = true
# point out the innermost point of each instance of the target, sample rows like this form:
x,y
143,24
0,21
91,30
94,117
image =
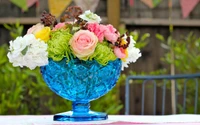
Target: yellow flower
x,y
43,34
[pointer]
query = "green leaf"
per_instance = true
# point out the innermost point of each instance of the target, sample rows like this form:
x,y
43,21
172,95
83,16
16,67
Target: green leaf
x,y
24,50
169,41
165,46
13,35
7,26
17,24
21,4
135,35
145,36
20,30
140,44
160,37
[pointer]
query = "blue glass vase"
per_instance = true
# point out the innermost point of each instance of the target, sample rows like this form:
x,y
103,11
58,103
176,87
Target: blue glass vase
x,y
81,82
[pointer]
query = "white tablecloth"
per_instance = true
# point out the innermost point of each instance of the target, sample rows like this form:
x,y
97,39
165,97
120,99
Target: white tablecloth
x,y
112,119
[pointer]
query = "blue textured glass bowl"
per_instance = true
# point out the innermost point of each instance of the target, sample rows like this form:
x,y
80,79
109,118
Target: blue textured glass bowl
x,y
81,82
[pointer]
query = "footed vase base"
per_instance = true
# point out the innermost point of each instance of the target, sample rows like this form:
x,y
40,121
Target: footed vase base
x,y
76,116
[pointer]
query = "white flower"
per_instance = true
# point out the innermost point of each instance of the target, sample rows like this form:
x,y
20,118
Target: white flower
x,y
90,17
133,53
28,51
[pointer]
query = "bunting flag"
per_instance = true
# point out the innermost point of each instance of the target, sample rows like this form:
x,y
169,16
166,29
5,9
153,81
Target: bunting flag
x,y
21,4
187,6
156,3
87,4
151,3
24,4
56,7
131,3
31,2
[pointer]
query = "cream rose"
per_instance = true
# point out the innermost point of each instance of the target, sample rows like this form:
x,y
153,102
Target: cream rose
x,y
35,28
83,44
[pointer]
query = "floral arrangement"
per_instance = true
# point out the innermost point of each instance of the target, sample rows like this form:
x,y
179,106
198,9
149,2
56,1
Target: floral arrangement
x,y
77,35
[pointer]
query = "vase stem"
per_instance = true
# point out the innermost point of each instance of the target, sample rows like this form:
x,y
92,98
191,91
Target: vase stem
x,y
80,107
80,112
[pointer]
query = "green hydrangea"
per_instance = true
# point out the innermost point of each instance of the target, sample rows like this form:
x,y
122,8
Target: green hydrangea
x,y
58,45
103,54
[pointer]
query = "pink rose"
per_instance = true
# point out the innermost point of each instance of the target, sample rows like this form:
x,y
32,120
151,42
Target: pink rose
x,y
101,31
111,34
59,26
83,44
97,29
120,52
35,28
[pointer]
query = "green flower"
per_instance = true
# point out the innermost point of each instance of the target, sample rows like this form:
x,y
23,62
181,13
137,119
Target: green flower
x,y
58,45
103,54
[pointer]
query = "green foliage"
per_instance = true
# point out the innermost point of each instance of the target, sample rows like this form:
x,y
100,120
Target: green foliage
x,y
160,37
21,90
15,29
186,50
141,39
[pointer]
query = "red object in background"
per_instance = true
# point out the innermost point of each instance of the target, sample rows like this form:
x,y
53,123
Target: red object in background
x,y
131,3
32,2
187,6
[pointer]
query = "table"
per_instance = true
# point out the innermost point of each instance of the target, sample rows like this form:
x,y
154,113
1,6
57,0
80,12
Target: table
x,y
182,119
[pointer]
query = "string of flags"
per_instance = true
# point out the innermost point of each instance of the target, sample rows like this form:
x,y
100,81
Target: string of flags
x,y
186,5
24,4
56,7
152,3
87,4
